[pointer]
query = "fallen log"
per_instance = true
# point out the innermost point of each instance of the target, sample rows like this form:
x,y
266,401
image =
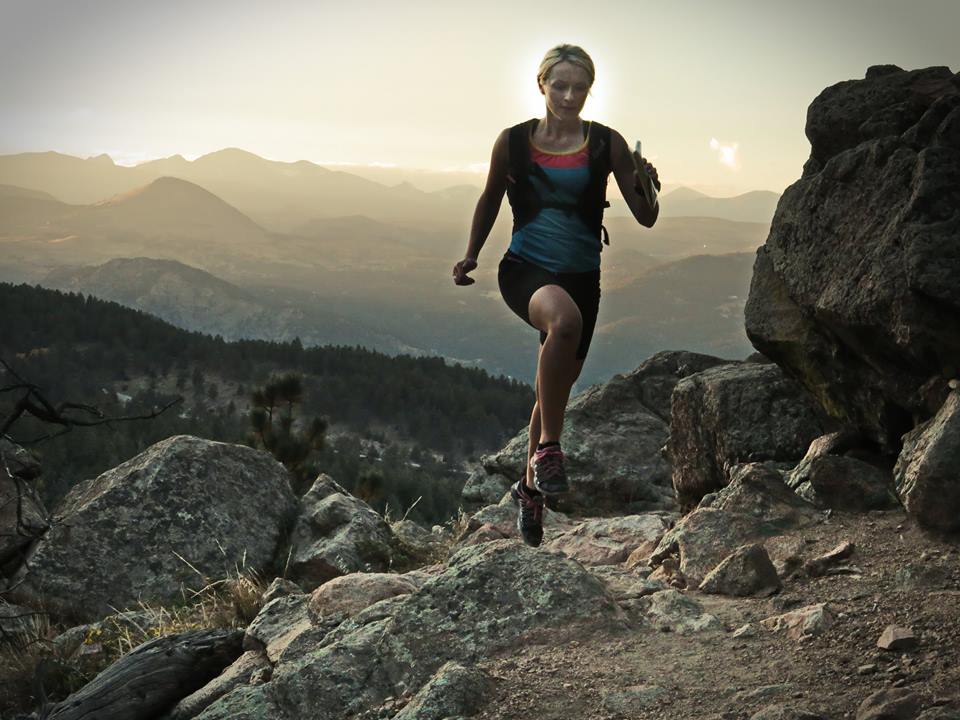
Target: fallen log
x,y
152,677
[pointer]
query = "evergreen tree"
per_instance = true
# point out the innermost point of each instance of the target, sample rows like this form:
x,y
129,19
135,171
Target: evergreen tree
x,y
274,422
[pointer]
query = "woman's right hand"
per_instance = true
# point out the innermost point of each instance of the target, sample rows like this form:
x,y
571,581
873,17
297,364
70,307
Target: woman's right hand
x,y
461,269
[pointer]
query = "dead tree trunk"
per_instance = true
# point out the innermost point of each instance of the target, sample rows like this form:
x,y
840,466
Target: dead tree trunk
x,y
151,678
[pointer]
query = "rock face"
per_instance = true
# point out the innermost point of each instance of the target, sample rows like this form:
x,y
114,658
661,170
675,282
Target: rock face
x,y
23,518
927,475
116,539
485,600
613,435
855,292
335,534
732,414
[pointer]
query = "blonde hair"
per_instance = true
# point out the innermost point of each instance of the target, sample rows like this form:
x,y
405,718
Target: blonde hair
x,y
565,53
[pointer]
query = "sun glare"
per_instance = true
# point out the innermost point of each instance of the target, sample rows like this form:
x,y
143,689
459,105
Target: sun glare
x,y
726,153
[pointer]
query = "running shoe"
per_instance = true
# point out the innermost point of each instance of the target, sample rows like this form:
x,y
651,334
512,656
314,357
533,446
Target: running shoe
x,y
530,517
549,477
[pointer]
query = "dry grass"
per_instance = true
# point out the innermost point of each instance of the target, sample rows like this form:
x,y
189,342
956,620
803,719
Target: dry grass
x,y
36,669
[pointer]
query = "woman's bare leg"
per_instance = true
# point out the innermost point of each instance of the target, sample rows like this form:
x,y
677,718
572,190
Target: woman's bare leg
x,y
554,312
535,425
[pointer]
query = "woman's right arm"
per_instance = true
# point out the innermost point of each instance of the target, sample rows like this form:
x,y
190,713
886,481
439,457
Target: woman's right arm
x,y
488,206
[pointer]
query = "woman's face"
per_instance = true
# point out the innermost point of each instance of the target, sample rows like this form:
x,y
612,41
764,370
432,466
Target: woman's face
x,y
565,90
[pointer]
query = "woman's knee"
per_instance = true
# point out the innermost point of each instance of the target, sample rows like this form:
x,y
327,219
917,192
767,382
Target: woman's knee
x,y
565,327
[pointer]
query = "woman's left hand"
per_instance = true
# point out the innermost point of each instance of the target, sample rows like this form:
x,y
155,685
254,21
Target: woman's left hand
x,y
652,172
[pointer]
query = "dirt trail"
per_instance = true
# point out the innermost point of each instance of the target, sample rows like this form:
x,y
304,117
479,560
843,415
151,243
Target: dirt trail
x,y
909,578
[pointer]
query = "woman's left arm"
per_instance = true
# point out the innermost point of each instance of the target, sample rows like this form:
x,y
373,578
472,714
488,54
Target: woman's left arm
x,y
623,170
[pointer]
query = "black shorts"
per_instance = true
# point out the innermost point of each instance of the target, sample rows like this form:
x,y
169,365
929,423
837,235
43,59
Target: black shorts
x,y
519,279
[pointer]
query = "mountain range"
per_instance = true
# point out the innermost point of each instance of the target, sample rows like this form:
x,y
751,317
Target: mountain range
x,y
177,248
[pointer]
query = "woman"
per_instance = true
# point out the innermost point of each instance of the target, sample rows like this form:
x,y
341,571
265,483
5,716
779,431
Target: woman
x,y
554,171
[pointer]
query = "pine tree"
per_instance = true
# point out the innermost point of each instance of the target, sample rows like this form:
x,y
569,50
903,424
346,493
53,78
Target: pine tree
x,y
276,429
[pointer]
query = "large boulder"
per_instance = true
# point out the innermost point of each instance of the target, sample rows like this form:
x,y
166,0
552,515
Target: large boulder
x,y
488,599
336,534
184,511
927,472
732,414
855,291
613,436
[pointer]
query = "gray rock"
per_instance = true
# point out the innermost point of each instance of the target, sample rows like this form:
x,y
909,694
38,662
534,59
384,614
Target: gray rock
x,y
184,511
280,587
487,599
483,488
874,334
759,491
454,690
609,541
735,414
744,572
672,611
237,675
246,702
926,471
891,704
627,584
802,623
828,478
347,595
416,545
897,639
23,517
705,537
278,623
336,534
613,436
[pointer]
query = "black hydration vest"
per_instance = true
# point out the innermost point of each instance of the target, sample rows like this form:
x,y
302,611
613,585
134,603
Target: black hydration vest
x,y
526,202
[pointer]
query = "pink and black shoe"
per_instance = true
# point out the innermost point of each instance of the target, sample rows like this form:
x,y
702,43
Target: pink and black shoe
x,y
530,518
549,477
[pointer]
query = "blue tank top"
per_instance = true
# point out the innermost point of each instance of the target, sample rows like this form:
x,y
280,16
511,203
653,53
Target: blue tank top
x,y
555,239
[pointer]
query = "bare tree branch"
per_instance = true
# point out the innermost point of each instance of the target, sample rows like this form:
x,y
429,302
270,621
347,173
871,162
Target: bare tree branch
x,y
34,403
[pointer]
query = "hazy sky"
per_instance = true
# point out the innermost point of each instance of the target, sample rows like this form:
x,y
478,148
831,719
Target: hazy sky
x,y
717,91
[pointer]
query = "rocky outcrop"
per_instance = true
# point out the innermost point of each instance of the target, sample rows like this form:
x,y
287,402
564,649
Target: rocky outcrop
x,y
471,609
612,438
732,414
928,469
855,291
755,505
184,511
335,534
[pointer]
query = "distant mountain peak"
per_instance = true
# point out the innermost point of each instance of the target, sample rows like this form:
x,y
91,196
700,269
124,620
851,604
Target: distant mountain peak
x,y
103,159
685,192
164,189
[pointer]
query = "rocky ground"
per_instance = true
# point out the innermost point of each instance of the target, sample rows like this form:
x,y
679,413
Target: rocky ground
x,y
906,577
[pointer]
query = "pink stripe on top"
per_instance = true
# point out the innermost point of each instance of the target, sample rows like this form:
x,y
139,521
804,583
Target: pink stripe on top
x,y
576,159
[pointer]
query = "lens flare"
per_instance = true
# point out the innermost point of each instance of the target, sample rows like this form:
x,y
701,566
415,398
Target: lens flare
x,y
726,153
